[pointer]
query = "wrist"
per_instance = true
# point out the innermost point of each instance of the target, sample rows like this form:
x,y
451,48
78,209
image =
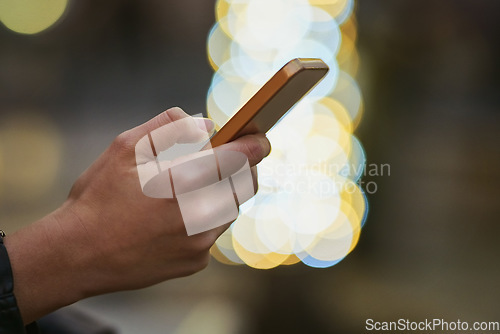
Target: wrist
x,y
46,259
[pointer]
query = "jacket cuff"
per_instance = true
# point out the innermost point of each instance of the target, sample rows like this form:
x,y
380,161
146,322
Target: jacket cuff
x,y
10,316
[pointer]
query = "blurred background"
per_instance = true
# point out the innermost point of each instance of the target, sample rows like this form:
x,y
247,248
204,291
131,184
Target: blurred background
x,y
429,75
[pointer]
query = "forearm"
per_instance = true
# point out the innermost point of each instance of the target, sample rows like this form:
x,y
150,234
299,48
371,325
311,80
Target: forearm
x,y
46,259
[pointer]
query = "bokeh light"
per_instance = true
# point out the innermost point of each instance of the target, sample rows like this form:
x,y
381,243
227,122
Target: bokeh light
x,y
32,145
309,207
31,16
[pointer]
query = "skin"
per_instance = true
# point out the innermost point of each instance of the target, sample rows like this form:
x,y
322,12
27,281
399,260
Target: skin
x,y
108,236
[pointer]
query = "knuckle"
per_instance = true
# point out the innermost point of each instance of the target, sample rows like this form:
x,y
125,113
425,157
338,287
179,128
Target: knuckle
x,y
207,242
202,242
203,261
123,142
196,264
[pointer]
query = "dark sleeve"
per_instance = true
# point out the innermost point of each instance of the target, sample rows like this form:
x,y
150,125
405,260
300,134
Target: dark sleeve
x,y
10,317
71,320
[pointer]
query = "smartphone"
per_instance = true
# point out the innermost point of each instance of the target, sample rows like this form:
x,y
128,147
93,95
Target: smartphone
x,y
290,84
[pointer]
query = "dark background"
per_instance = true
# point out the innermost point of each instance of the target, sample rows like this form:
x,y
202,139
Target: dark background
x,y
429,77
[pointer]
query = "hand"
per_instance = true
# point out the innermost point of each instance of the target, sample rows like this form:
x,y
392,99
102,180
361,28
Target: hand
x,y
108,235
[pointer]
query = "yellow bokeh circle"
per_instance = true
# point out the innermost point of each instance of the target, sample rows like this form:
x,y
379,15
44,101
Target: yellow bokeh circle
x,y
31,16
